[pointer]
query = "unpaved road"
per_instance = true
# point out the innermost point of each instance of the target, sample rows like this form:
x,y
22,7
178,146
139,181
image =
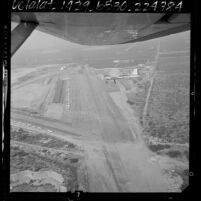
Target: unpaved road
x,y
116,160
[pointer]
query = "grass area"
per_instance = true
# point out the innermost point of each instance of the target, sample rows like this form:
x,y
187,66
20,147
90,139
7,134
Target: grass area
x,y
168,109
21,160
40,139
25,157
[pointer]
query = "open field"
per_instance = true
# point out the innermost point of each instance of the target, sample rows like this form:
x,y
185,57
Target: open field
x,y
169,104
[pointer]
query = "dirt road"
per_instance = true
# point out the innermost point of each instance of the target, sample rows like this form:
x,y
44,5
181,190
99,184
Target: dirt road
x,y
116,160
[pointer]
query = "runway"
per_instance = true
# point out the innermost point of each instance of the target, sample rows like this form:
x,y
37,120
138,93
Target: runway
x,y
116,159
111,148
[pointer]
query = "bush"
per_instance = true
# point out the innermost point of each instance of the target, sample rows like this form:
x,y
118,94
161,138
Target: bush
x,y
130,102
174,154
158,147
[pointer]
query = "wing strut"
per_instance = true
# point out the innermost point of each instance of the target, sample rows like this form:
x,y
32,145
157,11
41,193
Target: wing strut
x,y
20,34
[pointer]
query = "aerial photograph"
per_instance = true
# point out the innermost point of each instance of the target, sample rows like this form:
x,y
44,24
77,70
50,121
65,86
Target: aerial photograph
x,y
99,102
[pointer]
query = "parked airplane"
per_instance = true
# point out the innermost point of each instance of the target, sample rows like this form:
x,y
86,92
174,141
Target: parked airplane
x,y
115,75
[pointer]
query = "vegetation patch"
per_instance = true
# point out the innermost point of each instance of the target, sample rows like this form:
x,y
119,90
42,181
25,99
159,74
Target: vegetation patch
x,y
184,174
22,135
21,160
174,154
158,147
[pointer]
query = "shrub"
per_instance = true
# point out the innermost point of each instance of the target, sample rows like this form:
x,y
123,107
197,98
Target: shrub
x,y
174,154
158,147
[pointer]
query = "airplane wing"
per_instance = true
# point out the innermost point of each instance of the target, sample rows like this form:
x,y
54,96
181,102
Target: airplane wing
x,y
106,28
